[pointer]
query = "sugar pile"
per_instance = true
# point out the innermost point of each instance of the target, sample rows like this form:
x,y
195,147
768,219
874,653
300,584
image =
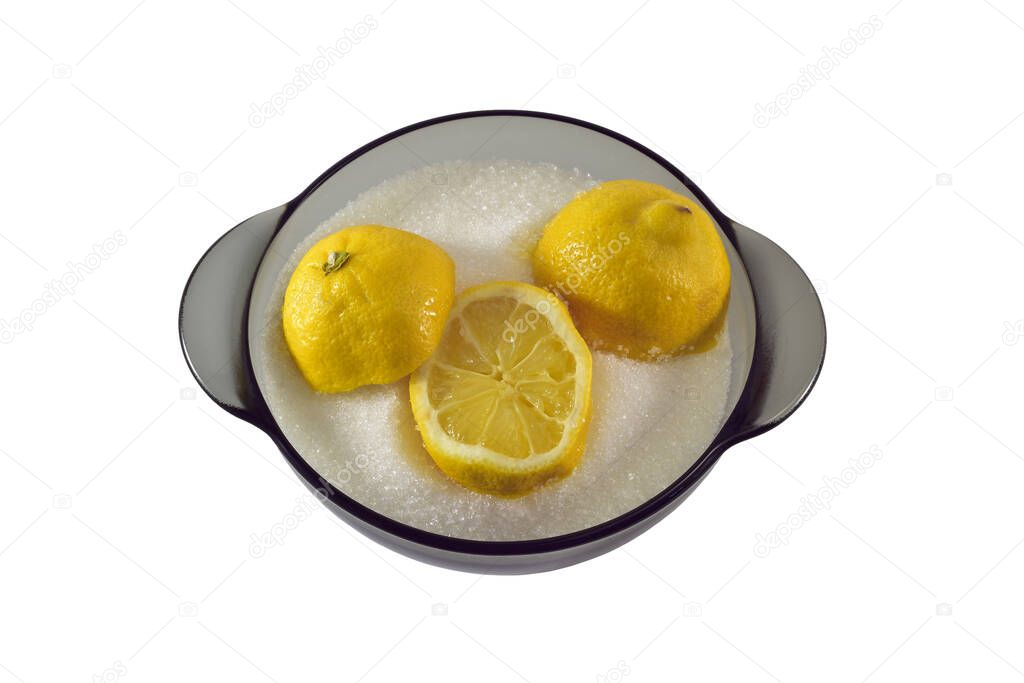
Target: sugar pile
x,y
650,420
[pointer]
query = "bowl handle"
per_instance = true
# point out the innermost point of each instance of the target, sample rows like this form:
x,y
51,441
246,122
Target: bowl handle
x,y
212,317
790,337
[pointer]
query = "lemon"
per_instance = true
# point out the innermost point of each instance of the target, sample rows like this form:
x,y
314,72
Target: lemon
x,y
503,405
366,305
643,269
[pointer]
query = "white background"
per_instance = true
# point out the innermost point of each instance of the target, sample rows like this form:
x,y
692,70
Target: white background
x,y
128,501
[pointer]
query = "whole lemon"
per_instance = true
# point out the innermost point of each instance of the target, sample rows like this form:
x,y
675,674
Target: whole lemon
x,y
643,269
366,305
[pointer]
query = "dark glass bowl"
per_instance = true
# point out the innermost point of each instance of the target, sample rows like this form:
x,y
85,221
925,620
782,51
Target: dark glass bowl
x,y
775,319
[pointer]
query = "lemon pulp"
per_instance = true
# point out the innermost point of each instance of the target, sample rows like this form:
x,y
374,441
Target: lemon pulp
x,y
504,402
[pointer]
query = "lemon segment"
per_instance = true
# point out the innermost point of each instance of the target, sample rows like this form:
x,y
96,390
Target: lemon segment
x,y
366,305
642,268
503,405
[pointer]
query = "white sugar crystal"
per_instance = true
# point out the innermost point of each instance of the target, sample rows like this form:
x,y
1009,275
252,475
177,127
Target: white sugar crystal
x,y
651,421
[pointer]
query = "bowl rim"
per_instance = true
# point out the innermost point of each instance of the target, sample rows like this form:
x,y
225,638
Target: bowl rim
x,y
726,436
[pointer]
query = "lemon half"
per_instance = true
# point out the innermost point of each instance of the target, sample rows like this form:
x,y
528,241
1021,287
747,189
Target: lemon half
x,y
503,404
643,269
366,305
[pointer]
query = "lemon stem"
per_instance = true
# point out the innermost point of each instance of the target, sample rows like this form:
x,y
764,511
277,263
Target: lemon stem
x,y
335,260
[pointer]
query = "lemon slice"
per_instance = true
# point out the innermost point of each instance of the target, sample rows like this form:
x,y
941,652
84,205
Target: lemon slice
x,y
503,404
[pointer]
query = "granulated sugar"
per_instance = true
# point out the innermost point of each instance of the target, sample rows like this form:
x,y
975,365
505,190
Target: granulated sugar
x,y
650,420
